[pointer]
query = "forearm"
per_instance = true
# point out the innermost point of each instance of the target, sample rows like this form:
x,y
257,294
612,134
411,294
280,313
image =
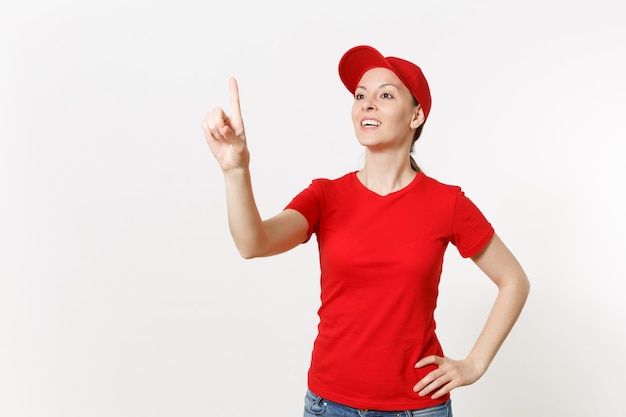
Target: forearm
x,y
244,220
503,315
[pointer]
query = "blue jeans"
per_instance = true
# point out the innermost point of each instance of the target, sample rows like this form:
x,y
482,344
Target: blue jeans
x,y
315,406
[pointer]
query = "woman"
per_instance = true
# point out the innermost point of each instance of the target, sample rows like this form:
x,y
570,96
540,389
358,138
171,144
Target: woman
x,y
382,232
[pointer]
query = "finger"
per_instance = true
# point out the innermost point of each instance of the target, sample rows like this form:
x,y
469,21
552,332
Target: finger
x,y
429,360
444,385
444,390
235,106
441,383
424,385
207,132
210,136
216,121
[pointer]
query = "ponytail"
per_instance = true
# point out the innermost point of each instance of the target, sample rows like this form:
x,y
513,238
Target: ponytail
x,y
416,136
414,165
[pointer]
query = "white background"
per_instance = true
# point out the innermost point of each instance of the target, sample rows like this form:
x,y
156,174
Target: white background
x,y
121,293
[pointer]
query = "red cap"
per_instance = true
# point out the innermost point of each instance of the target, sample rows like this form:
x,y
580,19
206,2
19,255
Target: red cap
x,y
358,60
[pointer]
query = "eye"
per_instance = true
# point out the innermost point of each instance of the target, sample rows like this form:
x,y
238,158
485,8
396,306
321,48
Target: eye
x,y
358,96
386,95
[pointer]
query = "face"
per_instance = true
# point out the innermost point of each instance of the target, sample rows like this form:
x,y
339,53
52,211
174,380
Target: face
x,y
384,113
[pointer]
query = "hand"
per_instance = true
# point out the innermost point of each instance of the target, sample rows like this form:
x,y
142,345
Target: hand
x,y
449,374
225,135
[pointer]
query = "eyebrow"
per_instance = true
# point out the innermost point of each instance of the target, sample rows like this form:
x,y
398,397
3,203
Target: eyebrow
x,y
380,86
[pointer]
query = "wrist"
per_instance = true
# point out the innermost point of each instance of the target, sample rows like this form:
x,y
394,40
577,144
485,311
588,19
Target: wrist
x,y
480,366
237,172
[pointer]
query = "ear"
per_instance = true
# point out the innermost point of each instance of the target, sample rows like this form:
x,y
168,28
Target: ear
x,y
418,118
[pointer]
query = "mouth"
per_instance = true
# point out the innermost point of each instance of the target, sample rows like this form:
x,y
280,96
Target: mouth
x,y
369,123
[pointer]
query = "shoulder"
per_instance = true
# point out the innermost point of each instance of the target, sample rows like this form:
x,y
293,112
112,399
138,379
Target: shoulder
x,y
435,186
334,181
320,189
328,184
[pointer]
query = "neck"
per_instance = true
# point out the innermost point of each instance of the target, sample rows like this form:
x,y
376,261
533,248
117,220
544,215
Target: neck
x,y
384,177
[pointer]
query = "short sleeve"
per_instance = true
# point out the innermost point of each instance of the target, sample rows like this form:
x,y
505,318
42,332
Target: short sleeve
x,y
471,230
307,203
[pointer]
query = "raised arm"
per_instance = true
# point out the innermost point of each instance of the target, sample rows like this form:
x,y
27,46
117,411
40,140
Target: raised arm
x,y
499,264
253,236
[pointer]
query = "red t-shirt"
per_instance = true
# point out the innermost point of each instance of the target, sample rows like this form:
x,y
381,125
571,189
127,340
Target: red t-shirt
x,y
380,260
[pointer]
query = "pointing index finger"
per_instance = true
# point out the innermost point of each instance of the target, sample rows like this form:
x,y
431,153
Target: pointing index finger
x,y
235,107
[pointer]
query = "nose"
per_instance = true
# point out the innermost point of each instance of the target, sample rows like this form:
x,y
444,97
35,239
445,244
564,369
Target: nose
x,y
367,104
